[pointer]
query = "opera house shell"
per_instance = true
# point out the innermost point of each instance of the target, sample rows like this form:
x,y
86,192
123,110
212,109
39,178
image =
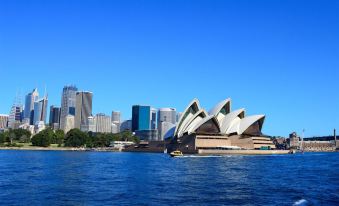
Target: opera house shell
x,y
220,130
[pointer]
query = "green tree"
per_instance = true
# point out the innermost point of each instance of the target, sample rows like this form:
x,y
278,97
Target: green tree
x,y
59,137
43,138
101,140
75,138
2,138
20,135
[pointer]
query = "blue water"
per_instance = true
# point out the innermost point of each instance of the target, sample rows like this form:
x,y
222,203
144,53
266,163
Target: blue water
x,y
105,178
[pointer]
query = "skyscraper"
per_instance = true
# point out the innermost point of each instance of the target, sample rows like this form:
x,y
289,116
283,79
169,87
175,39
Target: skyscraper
x,y
153,122
116,117
166,120
29,106
167,115
54,117
3,121
40,110
103,123
68,100
69,123
83,108
141,117
15,116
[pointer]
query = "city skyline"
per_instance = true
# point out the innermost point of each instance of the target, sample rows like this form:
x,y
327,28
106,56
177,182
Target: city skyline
x,y
164,55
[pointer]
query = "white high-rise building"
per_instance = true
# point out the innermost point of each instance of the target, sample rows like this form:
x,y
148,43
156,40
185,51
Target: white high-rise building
x,y
166,120
115,128
83,108
69,123
68,100
116,120
3,121
103,123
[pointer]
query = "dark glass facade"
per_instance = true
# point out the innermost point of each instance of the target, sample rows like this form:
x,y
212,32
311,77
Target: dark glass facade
x,y
141,117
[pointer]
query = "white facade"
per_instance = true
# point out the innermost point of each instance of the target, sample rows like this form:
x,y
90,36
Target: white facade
x,y
3,121
220,119
69,123
103,123
163,128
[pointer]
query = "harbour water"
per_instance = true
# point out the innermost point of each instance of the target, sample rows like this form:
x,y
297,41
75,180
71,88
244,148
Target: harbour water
x,y
112,178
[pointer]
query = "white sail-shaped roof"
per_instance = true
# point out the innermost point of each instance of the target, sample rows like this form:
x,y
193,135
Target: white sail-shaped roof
x,y
241,125
230,119
188,113
201,114
221,109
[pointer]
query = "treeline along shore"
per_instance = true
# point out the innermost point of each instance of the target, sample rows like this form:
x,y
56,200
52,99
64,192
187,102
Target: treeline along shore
x,y
74,140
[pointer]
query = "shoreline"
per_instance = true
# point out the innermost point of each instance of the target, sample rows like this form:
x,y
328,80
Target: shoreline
x,y
76,149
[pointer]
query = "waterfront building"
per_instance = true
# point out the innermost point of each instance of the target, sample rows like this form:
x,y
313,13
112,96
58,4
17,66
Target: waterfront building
x,y
54,117
69,123
115,128
90,126
68,101
141,117
153,122
3,121
147,135
218,130
83,108
103,123
116,119
126,126
293,141
163,128
29,106
40,110
166,120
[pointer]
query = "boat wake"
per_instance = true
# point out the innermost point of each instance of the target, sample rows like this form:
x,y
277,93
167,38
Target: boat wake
x,y
301,202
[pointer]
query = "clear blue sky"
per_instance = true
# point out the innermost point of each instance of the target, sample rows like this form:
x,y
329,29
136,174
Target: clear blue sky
x,y
279,58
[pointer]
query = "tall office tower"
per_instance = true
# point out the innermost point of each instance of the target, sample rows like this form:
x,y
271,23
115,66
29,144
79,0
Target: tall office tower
x,y
141,117
3,121
116,117
91,124
83,108
116,120
153,120
167,115
126,125
40,110
54,117
29,106
69,123
103,123
15,116
166,120
67,104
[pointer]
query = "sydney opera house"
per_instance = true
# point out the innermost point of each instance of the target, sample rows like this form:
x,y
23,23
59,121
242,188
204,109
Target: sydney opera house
x,y
219,131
